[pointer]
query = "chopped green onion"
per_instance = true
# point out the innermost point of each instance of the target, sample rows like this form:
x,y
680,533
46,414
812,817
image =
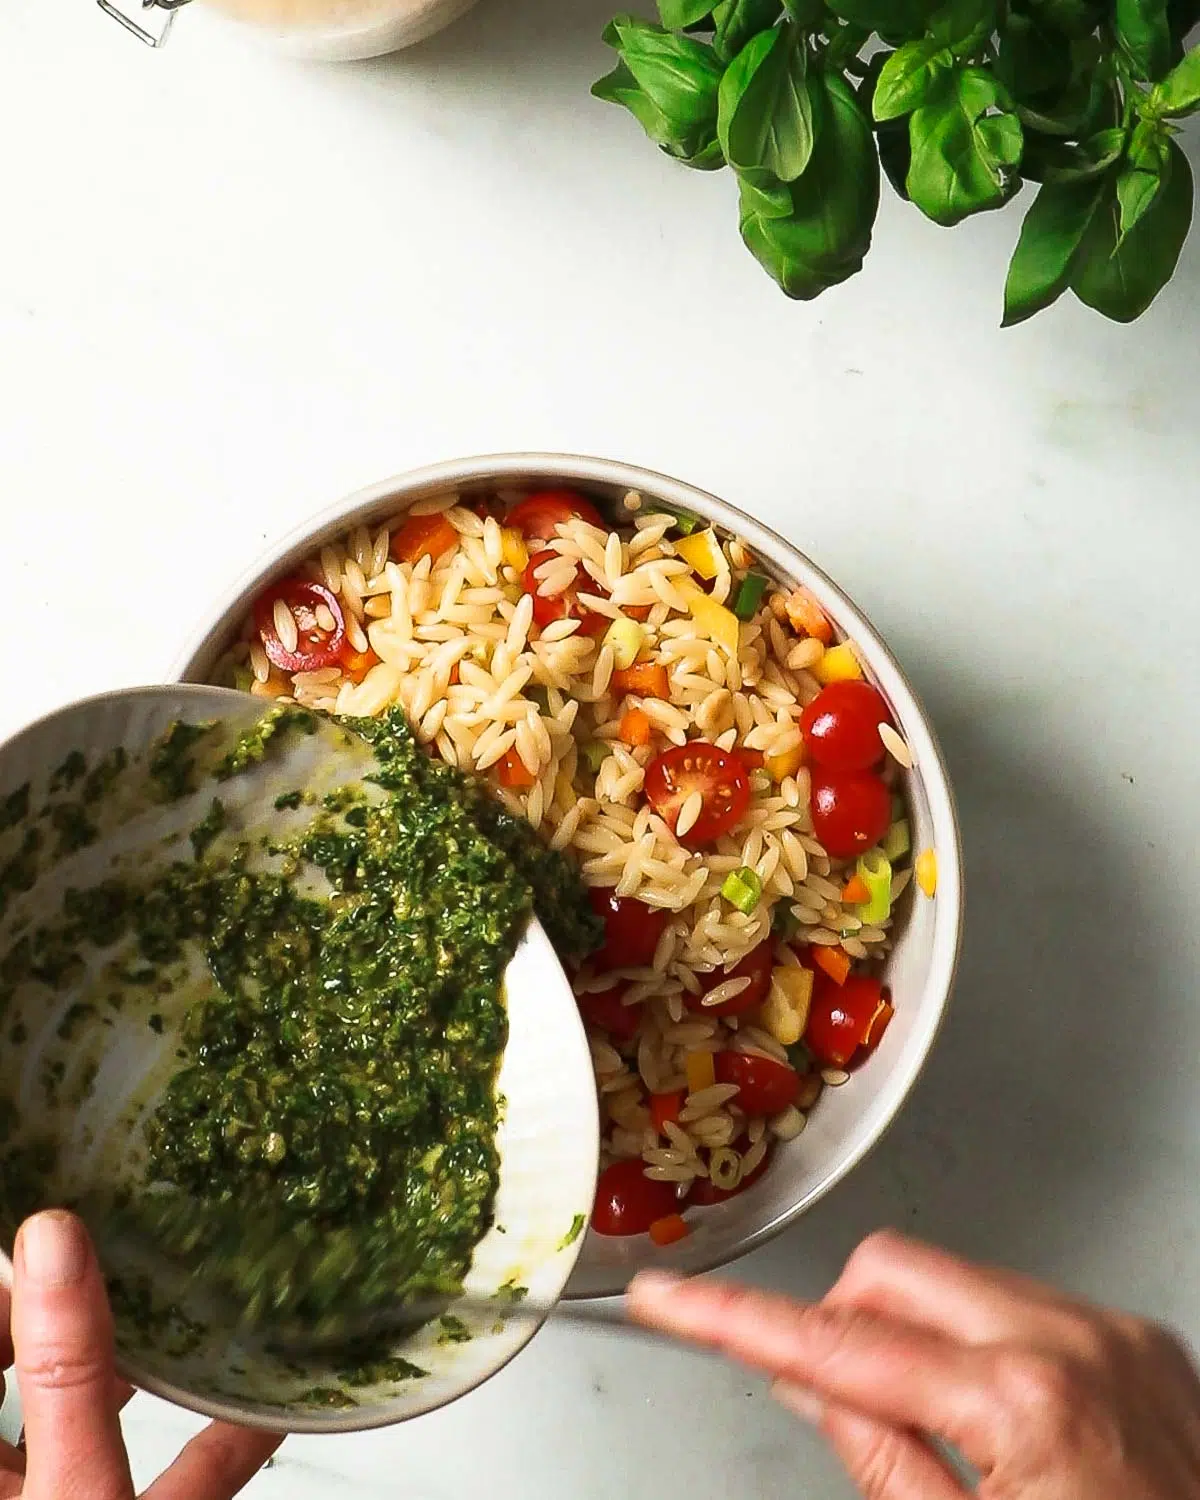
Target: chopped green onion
x,y
898,841
243,679
783,922
875,872
743,889
682,520
800,1058
595,753
749,596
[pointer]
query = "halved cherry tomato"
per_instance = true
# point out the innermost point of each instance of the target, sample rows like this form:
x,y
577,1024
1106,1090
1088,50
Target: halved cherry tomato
x,y
316,647
851,811
718,775
705,1192
628,1202
538,516
605,1008
664,1109
841,726
631,929
511,771
423,536
844,1019
548,607
765,1086
756,967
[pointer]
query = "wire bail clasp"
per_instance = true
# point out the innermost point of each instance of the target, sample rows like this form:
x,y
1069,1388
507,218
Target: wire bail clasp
x,y
152,35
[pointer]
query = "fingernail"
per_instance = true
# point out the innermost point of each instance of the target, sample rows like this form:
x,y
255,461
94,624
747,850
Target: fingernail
x,y
653,1284
54,1249
799,1400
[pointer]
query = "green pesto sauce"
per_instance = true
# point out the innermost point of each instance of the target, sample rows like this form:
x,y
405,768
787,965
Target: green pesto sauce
x,y
328,1139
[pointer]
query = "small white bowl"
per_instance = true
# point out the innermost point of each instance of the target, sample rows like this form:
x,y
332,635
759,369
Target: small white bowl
x,y
548,1139
849,1121
344,32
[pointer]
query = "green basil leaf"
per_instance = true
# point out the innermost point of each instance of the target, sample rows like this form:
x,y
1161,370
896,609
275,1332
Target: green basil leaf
x,y
1061,161
1179,92
891,136
904,18
1121,277
677,15
964,25
806,13
1145,174
1034,64
825,237
1070,18
670,84
909,76
765,115
966,147
1145,36
1052,238
736,21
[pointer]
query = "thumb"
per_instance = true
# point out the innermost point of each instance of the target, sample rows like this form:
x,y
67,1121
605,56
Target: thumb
x,y
63,1343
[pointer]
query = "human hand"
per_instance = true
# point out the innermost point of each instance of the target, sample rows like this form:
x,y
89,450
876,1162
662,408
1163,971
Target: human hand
x,y
1048,1398
62,1338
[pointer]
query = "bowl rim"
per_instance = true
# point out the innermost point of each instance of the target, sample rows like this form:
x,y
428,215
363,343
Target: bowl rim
x,y
294,1421
202,649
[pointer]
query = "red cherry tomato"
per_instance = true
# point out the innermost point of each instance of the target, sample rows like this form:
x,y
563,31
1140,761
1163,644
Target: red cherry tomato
x,y
841,726
548,607
315,645
627,1202
756,967
537,516
846,1018
605,1008
705,1192
718,775
631,930
766,1086
851,811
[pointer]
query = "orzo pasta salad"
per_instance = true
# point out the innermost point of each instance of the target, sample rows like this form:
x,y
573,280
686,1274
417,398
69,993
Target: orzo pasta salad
x,y
696,737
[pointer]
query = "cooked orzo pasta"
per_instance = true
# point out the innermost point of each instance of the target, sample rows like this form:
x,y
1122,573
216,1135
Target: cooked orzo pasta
x,y
691,731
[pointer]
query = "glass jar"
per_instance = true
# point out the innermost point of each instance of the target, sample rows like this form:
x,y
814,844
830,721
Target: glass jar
x,y
328,30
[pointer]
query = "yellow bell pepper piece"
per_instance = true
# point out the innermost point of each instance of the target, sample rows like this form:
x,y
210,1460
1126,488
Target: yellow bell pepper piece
x,y
839,664
926,871
701,1071
626,637
513,549
780,767
785,1010
702,552
713,620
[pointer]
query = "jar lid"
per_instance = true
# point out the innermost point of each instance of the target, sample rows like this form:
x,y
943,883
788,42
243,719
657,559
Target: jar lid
x,y
148,20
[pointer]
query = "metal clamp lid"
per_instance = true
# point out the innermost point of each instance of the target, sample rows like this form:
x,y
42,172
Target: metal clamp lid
x,y
153,35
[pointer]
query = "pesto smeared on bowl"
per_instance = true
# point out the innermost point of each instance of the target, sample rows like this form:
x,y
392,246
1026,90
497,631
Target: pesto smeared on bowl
x,y
326,1137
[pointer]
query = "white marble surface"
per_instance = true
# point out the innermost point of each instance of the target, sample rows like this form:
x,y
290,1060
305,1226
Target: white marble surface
x,y
233,288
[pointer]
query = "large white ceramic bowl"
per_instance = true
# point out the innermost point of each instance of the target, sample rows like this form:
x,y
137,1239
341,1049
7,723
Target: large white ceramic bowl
x,y
848,1121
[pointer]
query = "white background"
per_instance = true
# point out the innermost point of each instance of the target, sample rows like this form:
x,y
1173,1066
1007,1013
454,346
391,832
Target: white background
x,y
233,288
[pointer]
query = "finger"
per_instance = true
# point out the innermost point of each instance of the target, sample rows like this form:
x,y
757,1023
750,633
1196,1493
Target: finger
x,y
216,1464
886,1463
6,1348
901,1278
62,1333
887,1369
